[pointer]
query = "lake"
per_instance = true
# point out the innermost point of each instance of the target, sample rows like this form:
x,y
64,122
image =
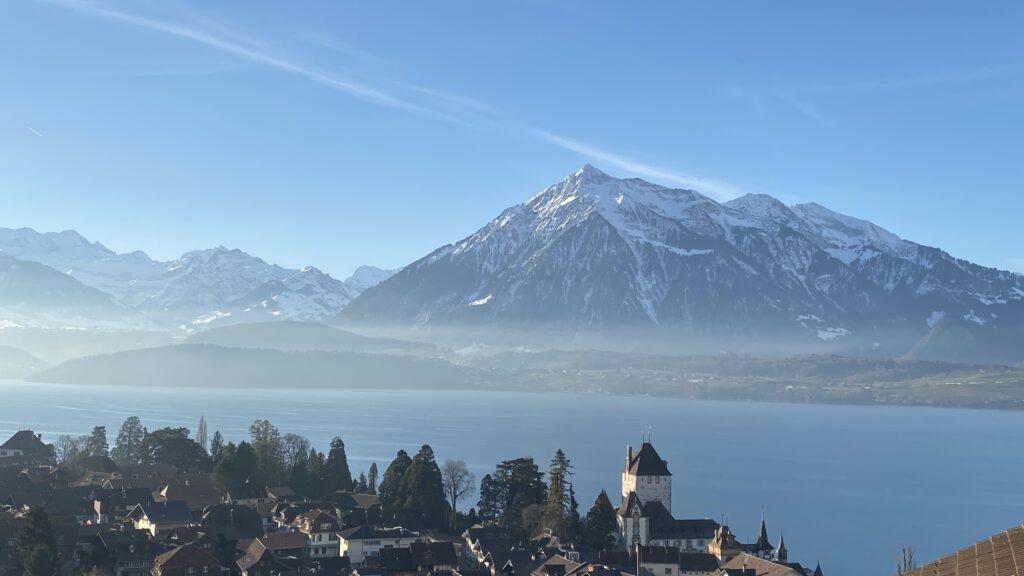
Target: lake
x,y
847,484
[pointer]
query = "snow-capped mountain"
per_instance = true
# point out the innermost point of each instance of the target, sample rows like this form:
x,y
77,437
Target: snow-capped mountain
x,y
307,295
32,294
366,277
200,288
594,252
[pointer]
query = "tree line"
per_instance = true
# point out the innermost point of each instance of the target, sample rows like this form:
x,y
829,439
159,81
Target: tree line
x,y
415,491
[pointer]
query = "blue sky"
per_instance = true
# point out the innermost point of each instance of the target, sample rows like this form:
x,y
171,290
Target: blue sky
x,y
344,133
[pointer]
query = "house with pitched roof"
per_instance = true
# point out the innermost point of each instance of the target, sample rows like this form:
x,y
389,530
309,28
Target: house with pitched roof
x,y
159,518
26,447
321,530
1001,553
366,541
186,560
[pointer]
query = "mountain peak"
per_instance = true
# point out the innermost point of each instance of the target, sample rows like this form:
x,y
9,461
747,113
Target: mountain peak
x,y
589,170
762,206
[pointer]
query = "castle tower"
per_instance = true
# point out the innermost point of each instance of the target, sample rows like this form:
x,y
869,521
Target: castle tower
x,y
763,548
724,545
647,474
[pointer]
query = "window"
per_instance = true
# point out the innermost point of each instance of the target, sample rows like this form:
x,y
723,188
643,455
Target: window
x,y
668,570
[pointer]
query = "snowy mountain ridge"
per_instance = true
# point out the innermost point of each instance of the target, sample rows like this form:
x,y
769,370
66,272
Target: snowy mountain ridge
x,y
200,288
593,252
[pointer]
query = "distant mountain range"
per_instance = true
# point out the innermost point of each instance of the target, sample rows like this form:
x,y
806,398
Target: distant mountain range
x,y
62,279
591,261
627,259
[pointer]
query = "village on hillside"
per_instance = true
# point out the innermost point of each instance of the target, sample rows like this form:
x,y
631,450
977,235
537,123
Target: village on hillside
x,y
168,503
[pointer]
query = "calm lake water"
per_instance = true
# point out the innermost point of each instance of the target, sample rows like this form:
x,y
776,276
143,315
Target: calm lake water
x,y
847,484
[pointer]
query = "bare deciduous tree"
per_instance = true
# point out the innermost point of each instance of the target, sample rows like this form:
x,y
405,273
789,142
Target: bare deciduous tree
x,y
458,480
69,448
905,561
295,449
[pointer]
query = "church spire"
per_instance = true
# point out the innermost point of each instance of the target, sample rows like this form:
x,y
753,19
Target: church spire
x,y
781,554
764,546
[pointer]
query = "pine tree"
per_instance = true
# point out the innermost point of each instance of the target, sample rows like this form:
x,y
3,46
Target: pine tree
x,y
520,486
128,446
96,445
238,473
425,503
490,499
362,486
317,485
557,510
600,525
216,446
336,470
392,484
371,479
574,514
35,550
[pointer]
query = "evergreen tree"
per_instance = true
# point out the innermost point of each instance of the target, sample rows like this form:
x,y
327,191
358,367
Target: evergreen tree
x,y
35,549
238,473
371,480
490,499
362,486
558,509
574,521
173,447
425,503
298,478
317,485
128,445
267,445
96,445
216,446
600,525
519,484
225,473
392,485
336,470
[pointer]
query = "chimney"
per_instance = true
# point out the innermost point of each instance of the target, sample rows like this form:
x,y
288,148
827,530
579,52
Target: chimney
x,y
629,455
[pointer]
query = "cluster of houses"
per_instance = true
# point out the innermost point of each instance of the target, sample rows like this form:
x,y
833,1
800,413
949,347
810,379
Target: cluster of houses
x,y
153,520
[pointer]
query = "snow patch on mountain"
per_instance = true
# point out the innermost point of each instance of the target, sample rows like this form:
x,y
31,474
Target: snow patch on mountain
x,y
972,317
828,334
936,317
482,301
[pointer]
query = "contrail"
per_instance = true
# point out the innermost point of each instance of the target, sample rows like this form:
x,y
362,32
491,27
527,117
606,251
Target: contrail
x,y
34,131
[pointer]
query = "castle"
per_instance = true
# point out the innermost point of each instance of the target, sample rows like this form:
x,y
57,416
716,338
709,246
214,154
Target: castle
x,y
645,520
